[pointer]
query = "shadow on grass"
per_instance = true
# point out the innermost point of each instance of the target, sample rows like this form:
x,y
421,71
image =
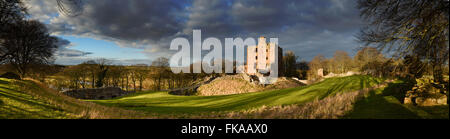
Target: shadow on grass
x,y
377,106
18,112
387,103
3,82
26,99
397,90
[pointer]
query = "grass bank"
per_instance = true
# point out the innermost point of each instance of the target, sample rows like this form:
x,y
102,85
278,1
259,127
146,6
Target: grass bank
x,y
31,100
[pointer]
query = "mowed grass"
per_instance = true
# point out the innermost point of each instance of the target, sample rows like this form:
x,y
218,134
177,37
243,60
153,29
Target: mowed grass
x,y
164,103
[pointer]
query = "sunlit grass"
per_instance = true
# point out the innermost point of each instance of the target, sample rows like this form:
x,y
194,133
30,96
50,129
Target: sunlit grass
x,y
162,102
30,100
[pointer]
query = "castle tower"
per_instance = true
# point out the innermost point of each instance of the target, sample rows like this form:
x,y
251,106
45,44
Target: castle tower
x,y
254,55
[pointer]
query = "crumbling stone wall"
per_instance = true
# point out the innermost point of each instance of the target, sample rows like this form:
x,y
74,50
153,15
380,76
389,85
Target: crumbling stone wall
x,y
97,93
427,93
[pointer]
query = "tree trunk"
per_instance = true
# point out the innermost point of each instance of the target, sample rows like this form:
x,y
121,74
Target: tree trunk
x,y
121,82
134,85
93,80
84,83
140,85
127,83
437,73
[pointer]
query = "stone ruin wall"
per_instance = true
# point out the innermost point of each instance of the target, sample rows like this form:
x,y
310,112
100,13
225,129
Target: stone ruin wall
x,y
97,93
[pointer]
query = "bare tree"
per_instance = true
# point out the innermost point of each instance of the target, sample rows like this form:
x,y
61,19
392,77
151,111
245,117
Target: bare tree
x,y
125,78
83,75
133,77
341,62
102,65
318,62
27,42
11,11
409,27
290,60
302,68
141,74
91,68
74,75
115,74
160,65
368,60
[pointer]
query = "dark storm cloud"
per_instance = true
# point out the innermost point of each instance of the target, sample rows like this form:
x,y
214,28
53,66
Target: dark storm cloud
x,y
132,20
322,27
307,27
65,51
262,15
211,16
265,16
134,23
78,60
148,25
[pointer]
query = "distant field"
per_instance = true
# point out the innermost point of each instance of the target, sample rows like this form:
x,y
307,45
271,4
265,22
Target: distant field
x,y
164,103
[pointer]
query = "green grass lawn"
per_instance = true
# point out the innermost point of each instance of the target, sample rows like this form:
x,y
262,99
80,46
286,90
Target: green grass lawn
x,y
386,103
164,103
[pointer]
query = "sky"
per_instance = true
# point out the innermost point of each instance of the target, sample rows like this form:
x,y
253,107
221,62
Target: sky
x,y
139,31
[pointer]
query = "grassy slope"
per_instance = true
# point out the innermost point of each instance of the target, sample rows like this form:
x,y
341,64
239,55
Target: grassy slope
x,y
15,104
386,103
162,102
30,100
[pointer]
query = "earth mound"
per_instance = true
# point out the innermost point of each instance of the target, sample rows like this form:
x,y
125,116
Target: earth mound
x,y
283,83
226,85
238,84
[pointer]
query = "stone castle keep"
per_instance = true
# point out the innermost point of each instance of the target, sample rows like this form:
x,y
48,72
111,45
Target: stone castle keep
x,y
253,57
